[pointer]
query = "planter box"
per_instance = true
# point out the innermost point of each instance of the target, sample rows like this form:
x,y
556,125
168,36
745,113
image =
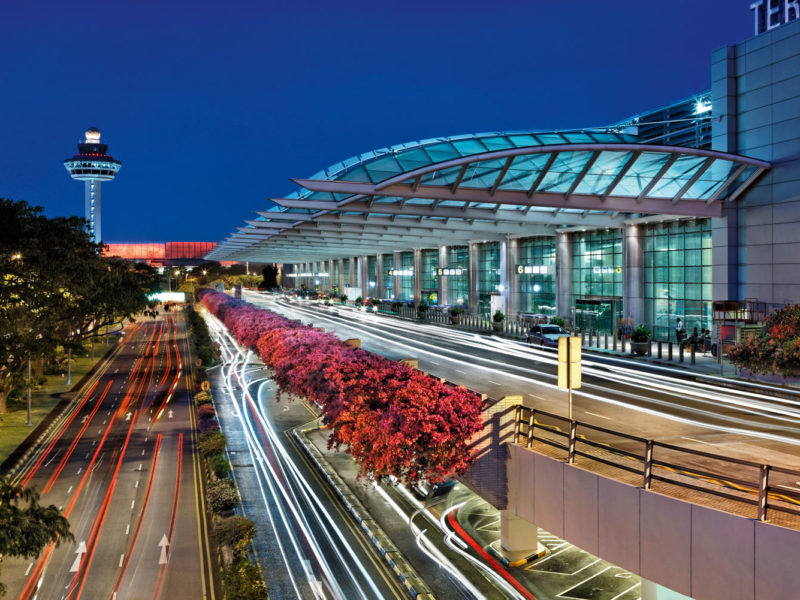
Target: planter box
x,y
640,348
455,319
497,326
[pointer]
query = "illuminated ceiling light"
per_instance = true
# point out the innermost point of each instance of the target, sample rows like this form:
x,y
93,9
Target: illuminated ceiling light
x,y
702,106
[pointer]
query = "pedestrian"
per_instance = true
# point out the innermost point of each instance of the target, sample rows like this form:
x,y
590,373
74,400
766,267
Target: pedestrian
x,y
679,331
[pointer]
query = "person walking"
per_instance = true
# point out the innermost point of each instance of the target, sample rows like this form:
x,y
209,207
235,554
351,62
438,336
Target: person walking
x,y
679,331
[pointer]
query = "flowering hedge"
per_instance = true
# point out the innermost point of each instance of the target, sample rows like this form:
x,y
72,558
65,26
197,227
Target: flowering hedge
x,y
393,419
776,350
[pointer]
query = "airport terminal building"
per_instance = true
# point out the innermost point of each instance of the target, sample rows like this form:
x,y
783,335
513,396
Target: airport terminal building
x,y
649,219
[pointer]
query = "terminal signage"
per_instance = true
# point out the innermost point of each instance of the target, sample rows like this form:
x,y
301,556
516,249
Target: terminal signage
x,y
606,270
444,271
401,272
769,14
532,269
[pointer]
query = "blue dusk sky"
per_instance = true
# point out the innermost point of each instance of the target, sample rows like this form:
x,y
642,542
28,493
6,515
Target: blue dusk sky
x,y
212,106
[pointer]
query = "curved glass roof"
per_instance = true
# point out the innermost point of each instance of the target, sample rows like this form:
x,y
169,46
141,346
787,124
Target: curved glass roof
x,y
519,183
383,163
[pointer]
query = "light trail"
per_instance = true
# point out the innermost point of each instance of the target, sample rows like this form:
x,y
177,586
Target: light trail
x,y
292,494
697,417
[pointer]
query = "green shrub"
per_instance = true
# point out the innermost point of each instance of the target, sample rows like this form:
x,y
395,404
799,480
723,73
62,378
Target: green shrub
x,y
235,532
242,580
211,443
201,398
557,321
206,411
222,496
498,316
219,465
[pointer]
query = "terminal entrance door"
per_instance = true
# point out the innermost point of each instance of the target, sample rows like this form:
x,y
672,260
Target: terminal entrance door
x,y
600,314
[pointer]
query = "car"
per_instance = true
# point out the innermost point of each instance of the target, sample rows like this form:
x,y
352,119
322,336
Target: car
x,y
425,489
546,335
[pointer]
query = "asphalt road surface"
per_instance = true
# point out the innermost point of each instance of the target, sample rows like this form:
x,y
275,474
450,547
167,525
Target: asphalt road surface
x,y
122,465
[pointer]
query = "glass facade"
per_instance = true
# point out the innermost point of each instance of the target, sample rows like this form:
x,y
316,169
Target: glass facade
x,y
488,272
430,279
458,285
388,280
597,274
335,277
346,271
536,275
677,276
407,279
372,279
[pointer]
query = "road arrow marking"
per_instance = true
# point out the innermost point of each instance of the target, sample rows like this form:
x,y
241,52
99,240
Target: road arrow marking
x,y
163,544
84,418
128,416
80,552
169,414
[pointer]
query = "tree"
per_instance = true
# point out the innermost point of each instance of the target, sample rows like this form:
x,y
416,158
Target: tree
x,y
26,526
270,273
56,288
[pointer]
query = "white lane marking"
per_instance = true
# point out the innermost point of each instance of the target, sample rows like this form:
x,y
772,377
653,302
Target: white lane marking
x,y
700,441
99,431
29,569
537,397
79,470
121,558
132,503
87,455
69,490
142,451
140,466
128,529
459,371
493,382
599,416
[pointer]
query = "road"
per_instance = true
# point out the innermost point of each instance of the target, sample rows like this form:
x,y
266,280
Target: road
x,y
668,404
122,466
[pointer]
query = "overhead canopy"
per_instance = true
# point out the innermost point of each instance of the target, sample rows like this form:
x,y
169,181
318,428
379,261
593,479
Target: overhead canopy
x,y
448,191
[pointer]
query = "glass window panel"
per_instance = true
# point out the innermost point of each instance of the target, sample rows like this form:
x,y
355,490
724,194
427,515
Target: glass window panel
x,y
563,172
356,174
383,168
550,138
413,159
711,180
445,177
640,174
442,152
496,143
469,147
523,140
677,176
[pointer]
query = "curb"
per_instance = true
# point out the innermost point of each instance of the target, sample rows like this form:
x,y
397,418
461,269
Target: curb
x,y
414,585
517,563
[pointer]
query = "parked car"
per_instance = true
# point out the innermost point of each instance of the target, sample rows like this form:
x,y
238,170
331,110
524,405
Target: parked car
x,y
546,335
424,489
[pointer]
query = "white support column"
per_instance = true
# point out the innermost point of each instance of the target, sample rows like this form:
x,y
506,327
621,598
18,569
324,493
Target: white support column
x,y
418,277
564,300
473,278
442,281
518,538
340,279
633,274
654,591
353,271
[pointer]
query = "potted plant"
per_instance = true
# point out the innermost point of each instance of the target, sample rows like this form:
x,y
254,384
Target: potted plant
x,y
396,306
422,308
343,298
455,314
640,340
497,320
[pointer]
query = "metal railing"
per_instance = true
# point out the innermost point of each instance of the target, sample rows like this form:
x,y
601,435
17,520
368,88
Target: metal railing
x,y
573,437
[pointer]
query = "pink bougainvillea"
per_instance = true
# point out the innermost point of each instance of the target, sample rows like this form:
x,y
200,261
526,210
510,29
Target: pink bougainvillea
x,y
393,419
776,350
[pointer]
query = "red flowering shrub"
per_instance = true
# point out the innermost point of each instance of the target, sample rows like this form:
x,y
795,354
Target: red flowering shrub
x,y
776,350
393,419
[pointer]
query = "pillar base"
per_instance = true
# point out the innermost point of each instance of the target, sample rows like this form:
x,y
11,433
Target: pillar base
x,y
516,558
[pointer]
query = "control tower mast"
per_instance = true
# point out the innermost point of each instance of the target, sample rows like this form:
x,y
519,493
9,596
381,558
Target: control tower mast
x,y
92,165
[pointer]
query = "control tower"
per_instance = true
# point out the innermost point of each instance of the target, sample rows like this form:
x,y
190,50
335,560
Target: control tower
x,y
92,165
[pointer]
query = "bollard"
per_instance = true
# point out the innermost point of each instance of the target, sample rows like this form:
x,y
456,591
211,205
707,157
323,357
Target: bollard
x,y
583,338
605,340
660,355
680,352
670,350
623,344
614,338
649,347
692,354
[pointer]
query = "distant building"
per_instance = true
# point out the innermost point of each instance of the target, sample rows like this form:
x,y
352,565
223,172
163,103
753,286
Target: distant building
x,y
159,254
92,165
